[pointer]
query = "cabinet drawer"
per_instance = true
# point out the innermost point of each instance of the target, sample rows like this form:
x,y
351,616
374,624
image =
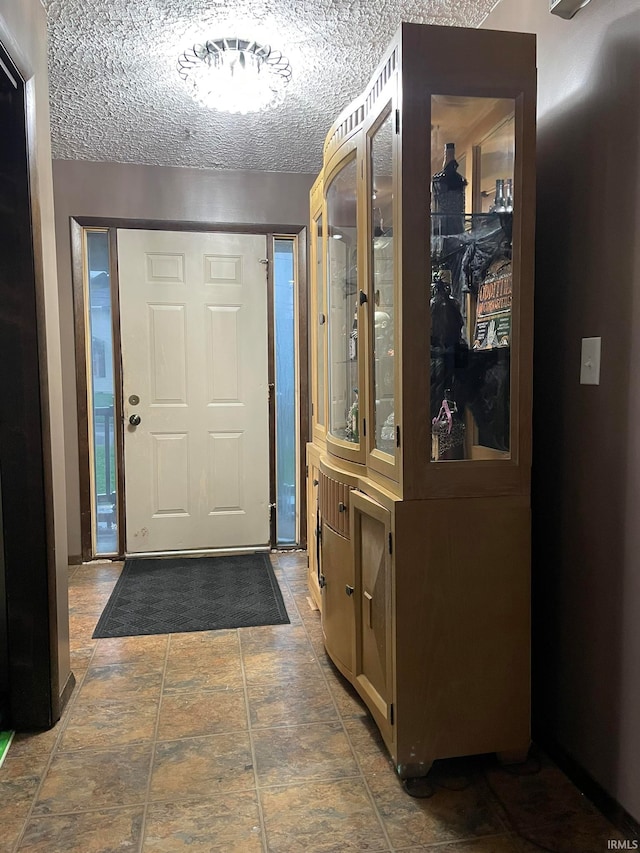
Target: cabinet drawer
x,y
334,504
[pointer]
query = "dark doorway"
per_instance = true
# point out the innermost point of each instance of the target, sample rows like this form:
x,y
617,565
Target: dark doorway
x,y
26,662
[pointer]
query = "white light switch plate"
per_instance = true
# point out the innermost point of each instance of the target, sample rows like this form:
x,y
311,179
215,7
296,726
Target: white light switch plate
x,y
590,361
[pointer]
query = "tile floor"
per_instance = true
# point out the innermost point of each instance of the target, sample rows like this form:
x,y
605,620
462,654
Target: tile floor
x,y
249,740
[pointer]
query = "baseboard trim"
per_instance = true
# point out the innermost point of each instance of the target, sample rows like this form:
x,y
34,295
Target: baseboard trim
x,y
67,690
601,799
74,559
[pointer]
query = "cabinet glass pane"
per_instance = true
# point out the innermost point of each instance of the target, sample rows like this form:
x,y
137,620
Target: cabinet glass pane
x,y
471,276
321,325
344,419
382,285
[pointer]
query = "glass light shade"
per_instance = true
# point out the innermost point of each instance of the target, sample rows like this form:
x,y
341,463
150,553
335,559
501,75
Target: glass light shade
x,y
235,75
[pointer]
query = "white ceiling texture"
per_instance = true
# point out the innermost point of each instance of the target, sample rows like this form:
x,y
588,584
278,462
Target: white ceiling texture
x,y
116,94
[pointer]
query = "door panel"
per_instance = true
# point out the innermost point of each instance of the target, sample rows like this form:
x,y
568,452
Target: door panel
x,y
374,583
194,351
337,604
371,526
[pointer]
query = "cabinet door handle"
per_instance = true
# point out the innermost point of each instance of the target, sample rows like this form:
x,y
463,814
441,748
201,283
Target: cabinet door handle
x,y
342,507
349,589
369,605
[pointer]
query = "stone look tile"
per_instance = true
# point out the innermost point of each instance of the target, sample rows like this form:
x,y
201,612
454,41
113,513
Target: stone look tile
x,y
321,818
20,764
317,641
202,766
116,650
216,825
81,628
89,600
297,753
290,605
299,589
122,681
193,714
449,815
292,564
81,659
286,664
95,574
491,844
16,796
315,796
187,648
30,743
222,672
96,779
345,695
314,627
308,619
304,700
298,584
88,832
273,638
205,660
583,833
104,723
538,798
370,750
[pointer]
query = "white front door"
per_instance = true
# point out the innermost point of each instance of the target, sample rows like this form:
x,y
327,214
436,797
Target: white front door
x,y
193,316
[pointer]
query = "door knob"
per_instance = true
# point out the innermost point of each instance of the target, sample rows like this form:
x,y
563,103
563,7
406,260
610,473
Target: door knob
x,y
134,420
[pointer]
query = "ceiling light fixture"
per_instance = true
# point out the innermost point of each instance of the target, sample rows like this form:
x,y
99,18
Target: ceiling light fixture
x,y
235,75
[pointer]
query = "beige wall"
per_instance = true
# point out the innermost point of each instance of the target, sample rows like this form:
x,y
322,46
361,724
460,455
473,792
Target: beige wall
x,y
587,438
23,34
154,192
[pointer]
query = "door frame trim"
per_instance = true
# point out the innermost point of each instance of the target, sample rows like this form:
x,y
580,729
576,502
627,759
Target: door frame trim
x,y
35,697
111,224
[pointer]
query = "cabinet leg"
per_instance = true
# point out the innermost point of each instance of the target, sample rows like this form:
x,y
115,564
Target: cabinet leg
x,y
419,786
513,756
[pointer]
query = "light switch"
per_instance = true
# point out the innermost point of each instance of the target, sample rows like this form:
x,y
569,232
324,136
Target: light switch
x,y
590,361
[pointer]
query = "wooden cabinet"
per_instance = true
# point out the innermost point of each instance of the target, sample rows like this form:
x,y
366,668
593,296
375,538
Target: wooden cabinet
x,y
422,224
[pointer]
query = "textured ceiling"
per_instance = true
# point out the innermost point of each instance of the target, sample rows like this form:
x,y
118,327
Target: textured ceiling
x,y
116,95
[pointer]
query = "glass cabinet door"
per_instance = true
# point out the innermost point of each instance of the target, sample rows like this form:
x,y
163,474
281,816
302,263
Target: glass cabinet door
x,y
471,286
382,286
320,325
342,273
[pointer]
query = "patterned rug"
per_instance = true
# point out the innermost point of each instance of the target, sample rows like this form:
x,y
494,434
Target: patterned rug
x,y
173,595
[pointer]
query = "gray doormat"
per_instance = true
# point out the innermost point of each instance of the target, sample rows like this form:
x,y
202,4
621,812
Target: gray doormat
x,y
172,595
